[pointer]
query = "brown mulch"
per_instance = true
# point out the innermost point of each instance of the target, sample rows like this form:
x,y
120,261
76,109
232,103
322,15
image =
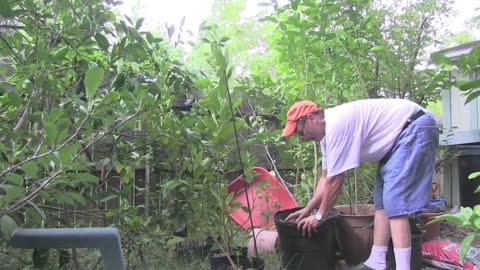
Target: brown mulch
x,y
450,232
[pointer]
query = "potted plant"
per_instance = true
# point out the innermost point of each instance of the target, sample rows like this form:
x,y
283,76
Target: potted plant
x,y
300,252
210,212
230,246
355,231
355,220
436,208
465,218
355,225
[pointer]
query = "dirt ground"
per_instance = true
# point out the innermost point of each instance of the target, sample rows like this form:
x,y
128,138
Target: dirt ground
x,y
449,232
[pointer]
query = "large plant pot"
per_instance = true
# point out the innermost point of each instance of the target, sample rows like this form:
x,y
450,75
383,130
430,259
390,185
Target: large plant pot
x,y
431,231
219,261
267,242
306,253
189,251
355,232
416,255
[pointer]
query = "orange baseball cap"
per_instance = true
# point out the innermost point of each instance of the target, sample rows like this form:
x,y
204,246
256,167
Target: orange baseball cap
x,y
297,111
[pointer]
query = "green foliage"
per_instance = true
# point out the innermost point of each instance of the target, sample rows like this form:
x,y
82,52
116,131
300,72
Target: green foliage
x,y
466,218
90,102
7,226
86,95
40,258
214,218
467,63
338,52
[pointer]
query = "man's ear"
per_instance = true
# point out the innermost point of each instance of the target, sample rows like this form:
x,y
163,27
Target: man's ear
x,y
311,116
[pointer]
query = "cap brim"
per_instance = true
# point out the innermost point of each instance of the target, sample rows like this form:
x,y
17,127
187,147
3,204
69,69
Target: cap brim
x,y
289,129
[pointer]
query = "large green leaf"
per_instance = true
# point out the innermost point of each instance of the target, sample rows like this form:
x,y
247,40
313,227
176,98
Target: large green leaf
x,y
376,49
5,9
139,23
30,168
83,178
466,243
440,58
93,79
102,42
40,212
174,184
8,226
77,197
15,179
474,175
473,95
474,56
467,85
449,217
104,196
11,193
66,153
51,133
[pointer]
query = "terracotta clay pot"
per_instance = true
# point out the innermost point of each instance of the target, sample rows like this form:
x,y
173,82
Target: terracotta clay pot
x,y
355,232
266,242
431,231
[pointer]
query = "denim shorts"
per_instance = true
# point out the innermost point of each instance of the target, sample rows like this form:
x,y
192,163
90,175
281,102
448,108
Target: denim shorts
x,y
404,179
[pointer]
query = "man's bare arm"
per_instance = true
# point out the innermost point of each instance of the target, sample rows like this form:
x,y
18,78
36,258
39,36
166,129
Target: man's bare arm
x,y
332,187
317,196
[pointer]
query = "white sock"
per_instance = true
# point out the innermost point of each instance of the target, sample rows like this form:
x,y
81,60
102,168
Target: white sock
x,y
378,258
402,258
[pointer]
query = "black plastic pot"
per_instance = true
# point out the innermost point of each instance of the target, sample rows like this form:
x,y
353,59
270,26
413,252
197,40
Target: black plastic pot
x,y
188,251
221,262
307,253
416,255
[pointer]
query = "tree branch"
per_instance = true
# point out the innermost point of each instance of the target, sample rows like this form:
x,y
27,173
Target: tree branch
x,y
11,48
12,26
104,134
37,156
15,256
64,68
22,118
74,250
79,212
31,196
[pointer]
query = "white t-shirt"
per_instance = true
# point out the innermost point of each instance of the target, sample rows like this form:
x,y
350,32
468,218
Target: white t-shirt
x,y
362,131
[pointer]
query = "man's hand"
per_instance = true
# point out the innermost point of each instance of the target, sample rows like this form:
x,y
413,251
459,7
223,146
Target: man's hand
x,y
309,225
297,215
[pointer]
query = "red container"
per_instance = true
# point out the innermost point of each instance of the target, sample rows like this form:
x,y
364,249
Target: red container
x,y
266,195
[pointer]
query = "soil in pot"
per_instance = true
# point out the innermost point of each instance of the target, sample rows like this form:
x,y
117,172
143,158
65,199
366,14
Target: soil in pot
x,y
355,232
306,253
218,261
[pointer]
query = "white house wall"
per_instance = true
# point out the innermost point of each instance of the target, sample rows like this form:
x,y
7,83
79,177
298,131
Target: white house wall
x,y
460,119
